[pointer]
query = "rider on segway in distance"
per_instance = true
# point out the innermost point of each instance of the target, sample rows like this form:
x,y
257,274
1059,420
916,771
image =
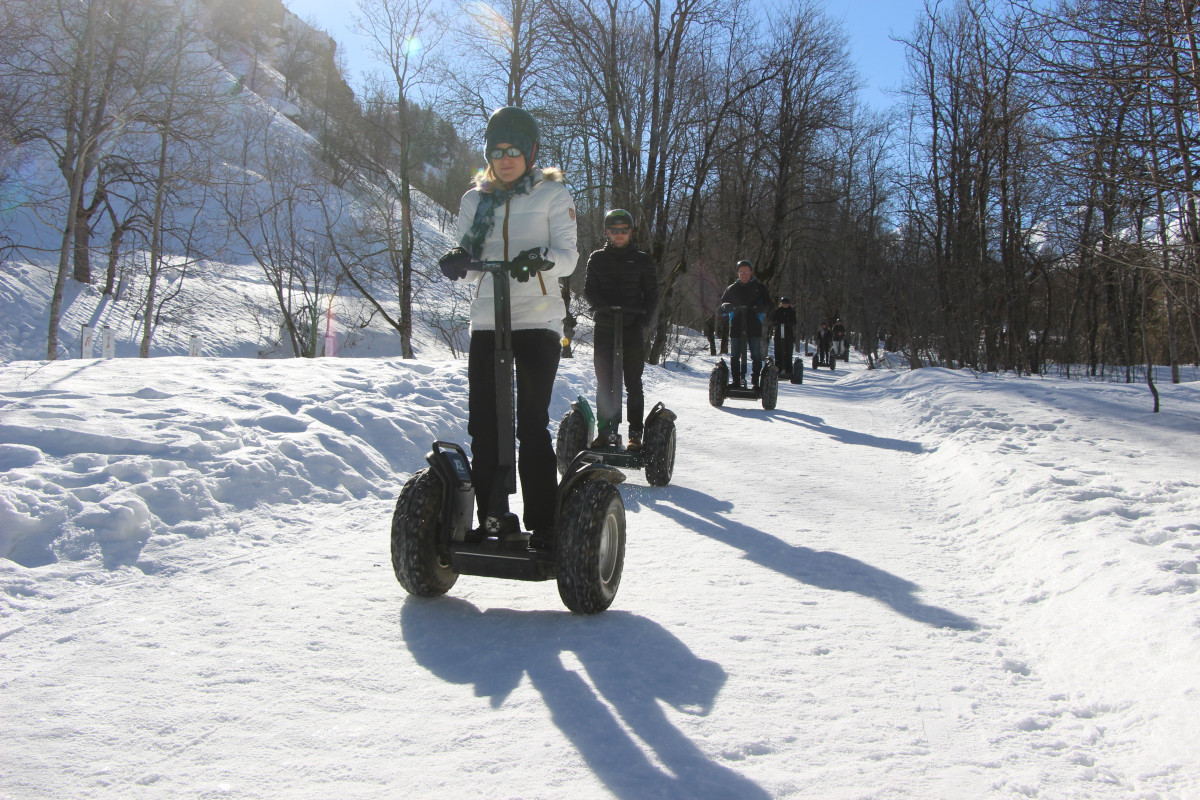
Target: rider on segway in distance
x,y
620,276
747,292
839,340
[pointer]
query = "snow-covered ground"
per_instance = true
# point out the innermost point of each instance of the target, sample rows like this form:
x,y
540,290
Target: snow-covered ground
x,y
895,585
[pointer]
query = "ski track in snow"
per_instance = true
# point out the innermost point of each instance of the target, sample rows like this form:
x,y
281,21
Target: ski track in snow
x,y
894,585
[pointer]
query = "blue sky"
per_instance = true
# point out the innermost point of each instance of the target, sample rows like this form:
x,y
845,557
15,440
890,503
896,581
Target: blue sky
x,y
870,24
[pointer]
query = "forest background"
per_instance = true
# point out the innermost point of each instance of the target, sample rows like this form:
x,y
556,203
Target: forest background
x,y
1029,202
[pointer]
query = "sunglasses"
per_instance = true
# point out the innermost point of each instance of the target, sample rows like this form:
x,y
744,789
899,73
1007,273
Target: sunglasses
x,y
497,153
618,231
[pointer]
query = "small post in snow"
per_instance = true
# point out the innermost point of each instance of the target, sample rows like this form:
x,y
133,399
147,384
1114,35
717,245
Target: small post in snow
x,y
194,345
87,341
330,332
108,343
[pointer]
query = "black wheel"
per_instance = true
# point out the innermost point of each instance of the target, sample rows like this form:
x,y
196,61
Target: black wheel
x,y
770,388
571,440
659,448
591,547
416,528
718,384
814,363
832,361
798,371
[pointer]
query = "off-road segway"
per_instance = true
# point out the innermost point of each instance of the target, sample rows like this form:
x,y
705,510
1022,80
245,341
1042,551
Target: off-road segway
x,y
797,370
578,427
720,385
432,538
824,358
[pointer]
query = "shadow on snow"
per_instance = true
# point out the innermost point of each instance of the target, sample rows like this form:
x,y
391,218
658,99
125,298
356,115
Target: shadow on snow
x,y
839,434
823,569
633,663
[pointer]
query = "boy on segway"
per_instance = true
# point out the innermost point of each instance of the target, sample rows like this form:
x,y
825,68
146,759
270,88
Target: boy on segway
x,y
749,293
620,276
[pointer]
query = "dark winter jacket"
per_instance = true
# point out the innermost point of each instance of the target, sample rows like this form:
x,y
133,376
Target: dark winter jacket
x,y
625,277
783,322
752,295
824,338
839,331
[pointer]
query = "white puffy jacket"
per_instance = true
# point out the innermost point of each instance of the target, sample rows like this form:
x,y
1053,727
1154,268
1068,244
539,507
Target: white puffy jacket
x,y
545,217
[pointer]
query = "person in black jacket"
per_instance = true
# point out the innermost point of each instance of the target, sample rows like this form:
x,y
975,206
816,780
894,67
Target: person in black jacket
x,y
620,275
749,297
839,339
824,341
783,325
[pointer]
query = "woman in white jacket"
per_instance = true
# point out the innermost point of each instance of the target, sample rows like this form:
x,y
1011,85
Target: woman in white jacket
x,y
524,216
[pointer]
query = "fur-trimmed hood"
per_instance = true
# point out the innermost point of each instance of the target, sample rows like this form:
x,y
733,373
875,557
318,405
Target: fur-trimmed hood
x,y
548,174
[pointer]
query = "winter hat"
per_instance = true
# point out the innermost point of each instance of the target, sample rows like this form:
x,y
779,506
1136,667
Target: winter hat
x,y
787,300
745,263
618,216
514,126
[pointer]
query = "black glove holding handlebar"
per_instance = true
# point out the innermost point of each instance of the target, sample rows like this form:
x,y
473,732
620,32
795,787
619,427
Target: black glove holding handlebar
x,y
528,262
456,262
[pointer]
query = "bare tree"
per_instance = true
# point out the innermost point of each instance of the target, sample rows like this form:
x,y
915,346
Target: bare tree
x,y
83,84
270,214
402,36
501,57
180,116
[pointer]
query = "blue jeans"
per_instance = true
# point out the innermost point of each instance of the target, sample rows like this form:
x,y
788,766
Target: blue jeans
x,y
737,360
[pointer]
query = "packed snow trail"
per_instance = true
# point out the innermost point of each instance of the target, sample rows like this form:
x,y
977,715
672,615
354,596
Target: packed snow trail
x,y
803,612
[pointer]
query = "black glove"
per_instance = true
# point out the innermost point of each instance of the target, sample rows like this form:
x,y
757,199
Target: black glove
x,y
528,262
455,263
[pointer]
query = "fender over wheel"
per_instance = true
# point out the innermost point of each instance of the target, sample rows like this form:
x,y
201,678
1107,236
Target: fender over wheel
x,y
571,439
769,388
416,529
591,547
659,451
718,383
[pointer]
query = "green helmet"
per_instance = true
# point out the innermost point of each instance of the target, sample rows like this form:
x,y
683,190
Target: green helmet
x,y
515,126
618,216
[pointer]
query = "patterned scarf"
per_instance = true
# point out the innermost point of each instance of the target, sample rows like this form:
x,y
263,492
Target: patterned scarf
x,y
485,213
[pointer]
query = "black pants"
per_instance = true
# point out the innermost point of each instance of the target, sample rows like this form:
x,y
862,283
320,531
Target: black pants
x,y
536,355
783,353
737,361
633,361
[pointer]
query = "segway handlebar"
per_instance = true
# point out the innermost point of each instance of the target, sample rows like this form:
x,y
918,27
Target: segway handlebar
x,y
489,266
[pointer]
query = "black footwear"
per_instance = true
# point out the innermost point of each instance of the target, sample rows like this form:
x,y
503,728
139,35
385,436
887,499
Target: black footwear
x,y
542,539
502,526
605,440
635,440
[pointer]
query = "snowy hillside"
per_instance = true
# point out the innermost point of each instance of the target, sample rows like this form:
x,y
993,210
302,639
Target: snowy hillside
x,y
895,585
218,269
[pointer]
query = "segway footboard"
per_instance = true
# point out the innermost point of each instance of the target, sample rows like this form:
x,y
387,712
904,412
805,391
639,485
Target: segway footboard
x,y
493,559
